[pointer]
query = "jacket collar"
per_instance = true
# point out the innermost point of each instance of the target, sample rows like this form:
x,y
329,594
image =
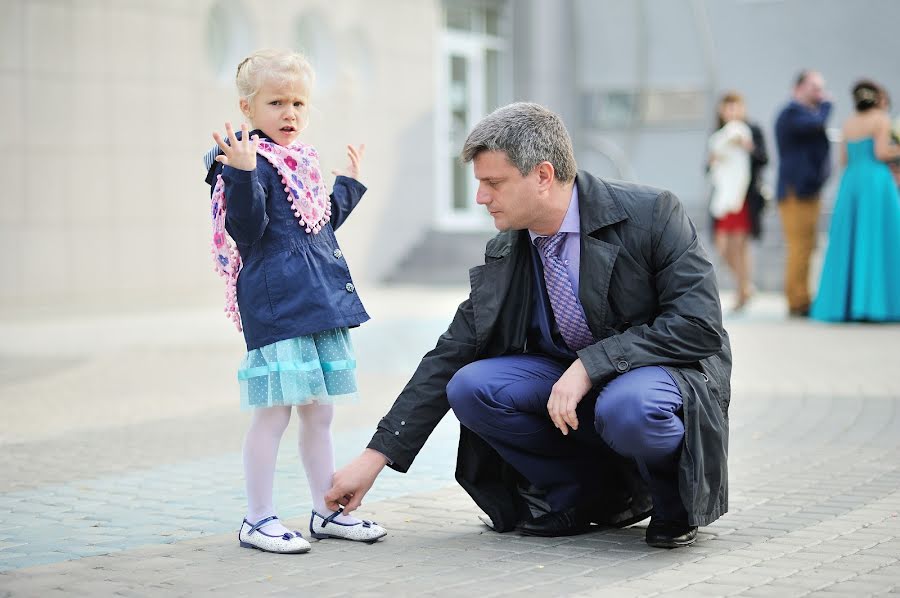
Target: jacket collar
x,y
597,203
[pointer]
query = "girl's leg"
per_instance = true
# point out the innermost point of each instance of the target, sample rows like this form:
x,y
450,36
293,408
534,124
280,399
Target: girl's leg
x,y
732,248
739,260
260,453
317,454
743,259
732,255
725,246
721,241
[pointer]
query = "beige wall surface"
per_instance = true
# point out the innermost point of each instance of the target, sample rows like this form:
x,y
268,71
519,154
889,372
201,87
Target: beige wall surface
x,y
110,105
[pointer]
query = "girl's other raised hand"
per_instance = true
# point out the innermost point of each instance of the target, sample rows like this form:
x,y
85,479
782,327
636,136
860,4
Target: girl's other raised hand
x,y
355,154
240,153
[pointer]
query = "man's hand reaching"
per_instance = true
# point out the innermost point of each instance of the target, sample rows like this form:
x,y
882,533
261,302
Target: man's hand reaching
x,y
351,482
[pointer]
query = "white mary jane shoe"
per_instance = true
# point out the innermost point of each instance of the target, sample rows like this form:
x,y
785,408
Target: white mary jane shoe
x,y
251,536
321,527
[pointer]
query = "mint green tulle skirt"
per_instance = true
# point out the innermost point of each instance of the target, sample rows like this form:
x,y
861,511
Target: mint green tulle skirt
x,y
319,368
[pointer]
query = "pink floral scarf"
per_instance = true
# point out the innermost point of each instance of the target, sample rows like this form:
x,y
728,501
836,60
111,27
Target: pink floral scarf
x,y
298,166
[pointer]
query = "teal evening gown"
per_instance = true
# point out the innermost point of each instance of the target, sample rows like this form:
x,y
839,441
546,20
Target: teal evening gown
x,y
861,275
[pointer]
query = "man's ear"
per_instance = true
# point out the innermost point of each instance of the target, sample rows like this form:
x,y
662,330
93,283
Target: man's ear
x,y
546,174
245,107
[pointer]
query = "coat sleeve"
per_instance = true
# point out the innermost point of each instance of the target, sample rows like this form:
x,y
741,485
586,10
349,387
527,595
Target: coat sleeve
x,y
402,433
245,217
345,194
688,326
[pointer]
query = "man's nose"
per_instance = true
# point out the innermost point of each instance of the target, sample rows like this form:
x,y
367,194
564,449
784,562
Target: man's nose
x,y
482,196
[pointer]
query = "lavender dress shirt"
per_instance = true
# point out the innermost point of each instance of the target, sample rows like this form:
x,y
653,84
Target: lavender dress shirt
x,y
570,252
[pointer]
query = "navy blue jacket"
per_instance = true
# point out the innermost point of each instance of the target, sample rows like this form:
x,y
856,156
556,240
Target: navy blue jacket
x,y
292,283
803,149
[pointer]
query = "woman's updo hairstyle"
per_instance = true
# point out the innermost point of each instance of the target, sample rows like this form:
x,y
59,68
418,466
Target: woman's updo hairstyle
x,y
268,64
866,95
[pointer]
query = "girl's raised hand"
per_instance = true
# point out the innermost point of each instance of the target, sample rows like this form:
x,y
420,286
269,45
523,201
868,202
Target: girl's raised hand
x,y
355,154
241,154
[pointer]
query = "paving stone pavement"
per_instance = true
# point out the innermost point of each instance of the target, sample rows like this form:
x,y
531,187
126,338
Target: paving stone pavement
x,y
121,472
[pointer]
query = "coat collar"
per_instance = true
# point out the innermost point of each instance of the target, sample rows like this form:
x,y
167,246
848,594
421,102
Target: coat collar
x,y
597,203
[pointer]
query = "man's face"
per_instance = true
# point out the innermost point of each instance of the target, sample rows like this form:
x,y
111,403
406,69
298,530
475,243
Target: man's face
x,y
512,200
812,90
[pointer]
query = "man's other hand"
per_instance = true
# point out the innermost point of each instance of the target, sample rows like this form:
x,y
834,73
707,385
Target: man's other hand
x,y
565,396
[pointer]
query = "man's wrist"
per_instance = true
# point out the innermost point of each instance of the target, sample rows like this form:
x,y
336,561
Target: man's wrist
x,y
376,457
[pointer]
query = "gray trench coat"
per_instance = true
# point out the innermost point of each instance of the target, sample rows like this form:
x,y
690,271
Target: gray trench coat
x,y
649,293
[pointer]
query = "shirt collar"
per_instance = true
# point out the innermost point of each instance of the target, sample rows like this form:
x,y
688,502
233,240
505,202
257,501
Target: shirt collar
x,y
571,221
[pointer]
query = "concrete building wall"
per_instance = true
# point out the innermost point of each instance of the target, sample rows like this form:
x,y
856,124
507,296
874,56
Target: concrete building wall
x,y
111,104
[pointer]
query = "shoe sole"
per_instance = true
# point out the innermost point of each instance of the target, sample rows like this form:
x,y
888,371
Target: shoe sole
x,y
539,534
255,547
327,536
671,544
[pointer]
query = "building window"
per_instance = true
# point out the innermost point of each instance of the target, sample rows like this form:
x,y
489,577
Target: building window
x,y
361,58
315,39
474,79
228,38
629,108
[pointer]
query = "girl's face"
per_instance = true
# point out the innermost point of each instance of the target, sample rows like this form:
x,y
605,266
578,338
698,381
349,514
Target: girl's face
x,y
730,111
280,109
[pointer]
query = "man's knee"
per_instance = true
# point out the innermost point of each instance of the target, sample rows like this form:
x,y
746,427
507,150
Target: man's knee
x,y
465,392
636,419
620,420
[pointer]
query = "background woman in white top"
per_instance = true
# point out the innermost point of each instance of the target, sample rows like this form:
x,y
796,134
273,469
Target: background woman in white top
x,y
729,175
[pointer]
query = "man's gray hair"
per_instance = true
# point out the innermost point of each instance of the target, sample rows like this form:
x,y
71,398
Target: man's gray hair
x,y
528,134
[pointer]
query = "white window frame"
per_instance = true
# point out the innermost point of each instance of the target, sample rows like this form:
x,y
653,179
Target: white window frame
x,y
472,47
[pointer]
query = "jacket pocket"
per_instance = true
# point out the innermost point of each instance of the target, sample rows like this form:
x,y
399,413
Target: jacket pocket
x,y
719,386
255,300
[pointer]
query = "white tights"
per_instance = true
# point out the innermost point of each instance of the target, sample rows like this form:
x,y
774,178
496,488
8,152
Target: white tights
x,y
261,451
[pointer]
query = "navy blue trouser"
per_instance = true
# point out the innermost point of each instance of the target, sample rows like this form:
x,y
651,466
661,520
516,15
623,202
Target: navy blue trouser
x,y
504,401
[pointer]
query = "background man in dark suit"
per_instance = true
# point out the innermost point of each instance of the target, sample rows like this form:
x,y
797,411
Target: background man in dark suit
x,y
804,163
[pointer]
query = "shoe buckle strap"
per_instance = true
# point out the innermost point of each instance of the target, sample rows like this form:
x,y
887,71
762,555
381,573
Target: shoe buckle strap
x,y
330,518
261,523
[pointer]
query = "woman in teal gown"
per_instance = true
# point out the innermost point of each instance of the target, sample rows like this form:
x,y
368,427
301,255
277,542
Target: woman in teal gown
x,y
861,275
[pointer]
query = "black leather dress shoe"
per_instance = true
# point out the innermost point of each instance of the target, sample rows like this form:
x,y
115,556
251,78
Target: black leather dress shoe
x,y
670,534
570,522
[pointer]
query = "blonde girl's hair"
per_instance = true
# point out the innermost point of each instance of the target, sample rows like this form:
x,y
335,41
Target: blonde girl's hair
x,y
268,64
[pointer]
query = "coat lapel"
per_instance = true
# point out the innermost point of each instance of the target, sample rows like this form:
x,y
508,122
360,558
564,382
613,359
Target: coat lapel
x,y
598,208
502,286
597,261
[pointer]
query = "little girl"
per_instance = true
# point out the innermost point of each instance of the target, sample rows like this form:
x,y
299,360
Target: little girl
x,y
289,289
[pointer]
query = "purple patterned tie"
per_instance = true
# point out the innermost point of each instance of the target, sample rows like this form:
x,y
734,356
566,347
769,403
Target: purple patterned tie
x,y
566,308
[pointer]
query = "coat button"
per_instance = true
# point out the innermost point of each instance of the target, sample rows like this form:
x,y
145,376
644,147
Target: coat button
x,y
396,433
403,423
349,286
338,253
622,366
